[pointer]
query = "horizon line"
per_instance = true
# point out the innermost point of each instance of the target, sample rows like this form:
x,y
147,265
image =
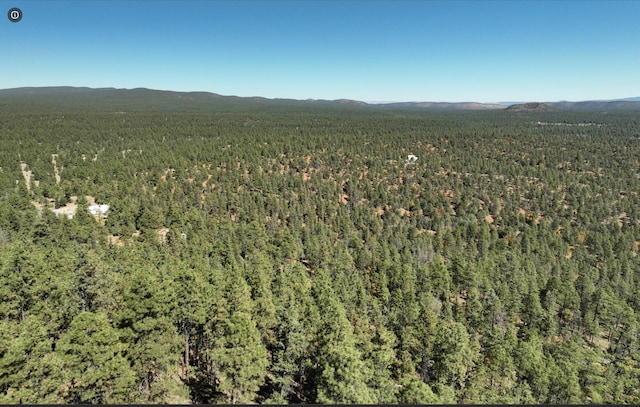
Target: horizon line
x,y
368,102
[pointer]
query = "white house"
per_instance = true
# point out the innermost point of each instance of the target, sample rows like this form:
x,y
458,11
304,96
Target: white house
x,y
411,158
99,210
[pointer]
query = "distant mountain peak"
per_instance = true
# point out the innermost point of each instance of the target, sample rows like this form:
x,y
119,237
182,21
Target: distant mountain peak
x,y
530,107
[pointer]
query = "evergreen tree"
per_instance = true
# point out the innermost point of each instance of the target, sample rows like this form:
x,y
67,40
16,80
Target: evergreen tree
x,y
93,363
340,376
240,360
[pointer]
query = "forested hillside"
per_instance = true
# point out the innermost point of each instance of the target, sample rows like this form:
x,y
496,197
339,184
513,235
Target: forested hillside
x,y
302,257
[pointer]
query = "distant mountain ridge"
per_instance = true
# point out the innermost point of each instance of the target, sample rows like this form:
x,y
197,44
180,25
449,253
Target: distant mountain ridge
x,y
143,99
622,104
530,107
443,105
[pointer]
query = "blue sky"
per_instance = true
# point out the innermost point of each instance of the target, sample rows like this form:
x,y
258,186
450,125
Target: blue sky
x,y
454,51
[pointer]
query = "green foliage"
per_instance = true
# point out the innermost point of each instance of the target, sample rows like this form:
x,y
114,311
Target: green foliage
x,y
93,361
240,360
454,356
273,255
340,374
31,371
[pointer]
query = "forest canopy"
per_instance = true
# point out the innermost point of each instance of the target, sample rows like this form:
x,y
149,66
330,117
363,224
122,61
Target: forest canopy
x,y
302,256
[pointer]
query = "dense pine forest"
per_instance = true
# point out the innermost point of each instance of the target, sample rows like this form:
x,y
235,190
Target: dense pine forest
x,y
302,256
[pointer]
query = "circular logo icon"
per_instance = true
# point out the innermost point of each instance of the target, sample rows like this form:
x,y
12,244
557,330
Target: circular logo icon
x,y
15,15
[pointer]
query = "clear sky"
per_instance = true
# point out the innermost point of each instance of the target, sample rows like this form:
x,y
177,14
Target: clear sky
x,y
453,51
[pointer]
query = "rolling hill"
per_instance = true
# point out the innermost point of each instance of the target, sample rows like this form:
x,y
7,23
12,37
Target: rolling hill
x,y
530,107
142,99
